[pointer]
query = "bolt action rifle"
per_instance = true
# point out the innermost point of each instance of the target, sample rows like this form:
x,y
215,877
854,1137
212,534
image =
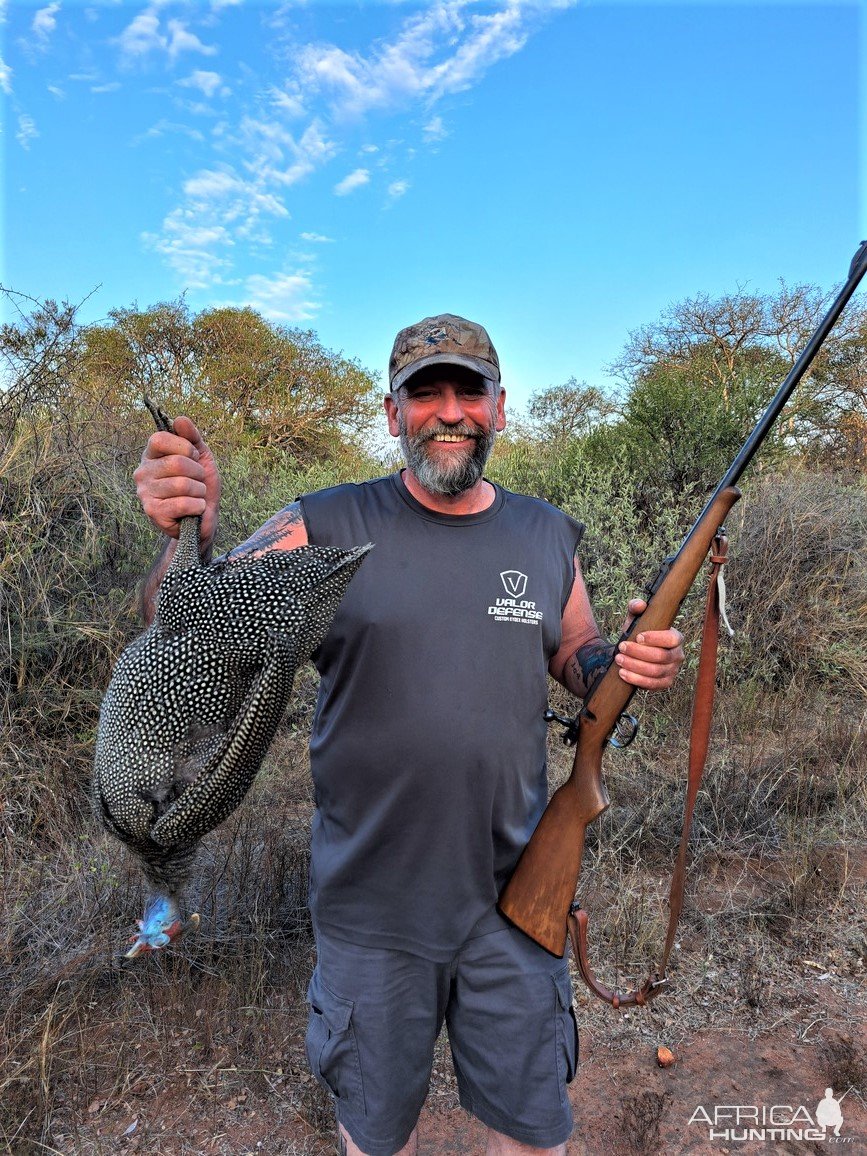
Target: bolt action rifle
x,y
538,897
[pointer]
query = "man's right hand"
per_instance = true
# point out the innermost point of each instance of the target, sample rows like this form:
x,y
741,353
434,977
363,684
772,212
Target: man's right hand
x,y
178,478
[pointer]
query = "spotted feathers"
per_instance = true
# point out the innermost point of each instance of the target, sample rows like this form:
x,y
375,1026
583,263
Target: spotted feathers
x,y
195,701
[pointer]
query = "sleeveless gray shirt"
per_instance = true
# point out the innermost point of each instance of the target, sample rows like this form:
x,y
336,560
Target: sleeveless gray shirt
x,y
428,743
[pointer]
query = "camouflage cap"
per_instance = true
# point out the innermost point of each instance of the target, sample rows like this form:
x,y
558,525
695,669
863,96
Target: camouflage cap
x,y
442,340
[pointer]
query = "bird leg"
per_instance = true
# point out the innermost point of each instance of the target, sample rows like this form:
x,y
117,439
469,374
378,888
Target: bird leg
x,y
162,924
161,420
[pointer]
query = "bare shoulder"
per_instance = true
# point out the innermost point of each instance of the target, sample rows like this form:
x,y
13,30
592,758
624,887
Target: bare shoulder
x,y
284,531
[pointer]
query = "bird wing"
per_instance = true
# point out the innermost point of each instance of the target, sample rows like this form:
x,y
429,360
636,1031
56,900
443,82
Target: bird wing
x,y
224,781
232,604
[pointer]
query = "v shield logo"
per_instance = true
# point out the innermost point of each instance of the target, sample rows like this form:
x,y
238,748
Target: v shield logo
x,y
514,608
515,582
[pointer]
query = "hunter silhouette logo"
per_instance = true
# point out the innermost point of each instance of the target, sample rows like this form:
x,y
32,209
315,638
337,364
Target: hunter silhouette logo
x,y
829,1114
515,583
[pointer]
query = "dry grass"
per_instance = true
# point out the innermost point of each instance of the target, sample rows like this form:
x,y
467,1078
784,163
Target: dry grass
x,y
640,1118
81,1034
798,578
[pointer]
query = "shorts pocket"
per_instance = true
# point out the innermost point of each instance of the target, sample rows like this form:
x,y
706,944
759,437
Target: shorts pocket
x,y
332,1051
566,1031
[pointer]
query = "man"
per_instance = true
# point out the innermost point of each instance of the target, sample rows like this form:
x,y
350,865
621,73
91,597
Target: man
x,y
428,752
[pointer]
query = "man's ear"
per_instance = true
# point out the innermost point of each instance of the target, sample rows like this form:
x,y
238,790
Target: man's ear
x,y
391,413
501,411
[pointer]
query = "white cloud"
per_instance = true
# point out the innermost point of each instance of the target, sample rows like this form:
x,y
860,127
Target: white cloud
x,y
180,40
142,36
444,49
190,249
266,144
110,86
206,82
198,108
435,130
317,239
352,182
27,130
275,154
44,23
299,126
145,35
225,207
492,38
164,127
220,208
235,196
56,92
283,296
289,103
5,77
282,16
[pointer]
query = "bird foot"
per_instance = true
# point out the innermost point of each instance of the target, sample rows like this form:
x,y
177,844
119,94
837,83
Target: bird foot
x,y
162,925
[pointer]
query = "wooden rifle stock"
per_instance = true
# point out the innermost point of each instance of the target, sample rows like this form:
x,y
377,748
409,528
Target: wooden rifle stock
x,y
540,892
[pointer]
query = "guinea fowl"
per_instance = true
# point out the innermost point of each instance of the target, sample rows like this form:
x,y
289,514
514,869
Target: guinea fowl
x,y
195,701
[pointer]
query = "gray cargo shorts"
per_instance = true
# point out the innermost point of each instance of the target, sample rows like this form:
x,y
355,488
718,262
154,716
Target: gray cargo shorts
x,y
375,1014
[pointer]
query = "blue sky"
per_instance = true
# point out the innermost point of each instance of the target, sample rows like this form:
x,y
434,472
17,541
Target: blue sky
x,y
559,171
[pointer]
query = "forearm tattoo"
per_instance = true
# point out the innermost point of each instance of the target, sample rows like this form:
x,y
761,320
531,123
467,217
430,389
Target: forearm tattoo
x,y
588,664
273,530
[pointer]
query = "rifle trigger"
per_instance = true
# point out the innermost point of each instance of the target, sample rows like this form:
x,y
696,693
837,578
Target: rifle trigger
x,y
625,730
570,734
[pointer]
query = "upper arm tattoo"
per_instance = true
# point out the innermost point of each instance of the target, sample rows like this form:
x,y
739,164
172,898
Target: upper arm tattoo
x,y
276,528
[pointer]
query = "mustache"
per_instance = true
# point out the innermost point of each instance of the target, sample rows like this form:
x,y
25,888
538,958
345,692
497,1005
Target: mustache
x,y
459,430
461,470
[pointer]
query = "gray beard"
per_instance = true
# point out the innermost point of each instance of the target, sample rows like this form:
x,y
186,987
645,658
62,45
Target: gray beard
x,y
454,476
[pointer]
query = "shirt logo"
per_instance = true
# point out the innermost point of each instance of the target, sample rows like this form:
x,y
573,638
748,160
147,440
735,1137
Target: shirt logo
x,y
514,582
514,607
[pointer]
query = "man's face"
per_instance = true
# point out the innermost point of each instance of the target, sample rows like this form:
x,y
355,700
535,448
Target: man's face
x,y
447,418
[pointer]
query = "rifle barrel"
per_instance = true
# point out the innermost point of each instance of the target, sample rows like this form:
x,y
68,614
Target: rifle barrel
x,y
857,269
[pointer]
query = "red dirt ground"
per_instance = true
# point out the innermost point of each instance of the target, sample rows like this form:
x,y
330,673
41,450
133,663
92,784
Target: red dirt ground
x,y
624,1103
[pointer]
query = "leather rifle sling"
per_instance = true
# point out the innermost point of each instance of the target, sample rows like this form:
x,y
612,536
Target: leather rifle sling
x,y
702,714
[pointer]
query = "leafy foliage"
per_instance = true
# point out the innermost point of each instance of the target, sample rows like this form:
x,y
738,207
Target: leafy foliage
x,y
562,412
249,383
740,346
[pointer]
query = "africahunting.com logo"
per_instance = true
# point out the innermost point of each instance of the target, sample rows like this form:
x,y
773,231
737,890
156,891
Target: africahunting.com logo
x,y
783,1123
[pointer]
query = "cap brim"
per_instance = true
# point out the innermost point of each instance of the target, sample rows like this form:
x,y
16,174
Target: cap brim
x,y
484,368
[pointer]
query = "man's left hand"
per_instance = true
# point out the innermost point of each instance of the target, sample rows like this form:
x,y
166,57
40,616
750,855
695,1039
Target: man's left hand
x,y
651,658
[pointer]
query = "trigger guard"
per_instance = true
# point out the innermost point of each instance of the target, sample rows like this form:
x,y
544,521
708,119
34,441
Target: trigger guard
x,y
622,737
